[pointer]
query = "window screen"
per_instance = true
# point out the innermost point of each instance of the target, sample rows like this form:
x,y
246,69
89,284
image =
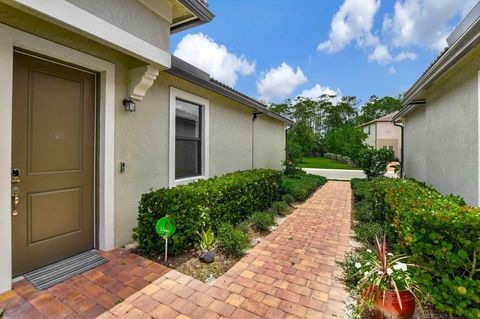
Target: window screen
x,y
188,139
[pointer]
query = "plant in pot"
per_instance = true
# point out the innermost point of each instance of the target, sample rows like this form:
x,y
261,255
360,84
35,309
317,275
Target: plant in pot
x,y
386,287
207,245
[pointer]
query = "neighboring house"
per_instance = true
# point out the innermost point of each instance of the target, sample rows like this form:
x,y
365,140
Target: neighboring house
x,y
382,133
73,161
442,118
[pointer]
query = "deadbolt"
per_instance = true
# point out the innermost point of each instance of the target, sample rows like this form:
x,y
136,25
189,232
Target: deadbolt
x,y
15,175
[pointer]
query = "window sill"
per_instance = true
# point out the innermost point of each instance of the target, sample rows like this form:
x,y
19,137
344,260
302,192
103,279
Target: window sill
x,y
188,180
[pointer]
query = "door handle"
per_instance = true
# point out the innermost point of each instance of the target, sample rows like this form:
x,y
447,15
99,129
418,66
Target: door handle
x,y
16,200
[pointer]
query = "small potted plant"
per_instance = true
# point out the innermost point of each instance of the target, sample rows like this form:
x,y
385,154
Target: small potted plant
x,y
207,245
386,287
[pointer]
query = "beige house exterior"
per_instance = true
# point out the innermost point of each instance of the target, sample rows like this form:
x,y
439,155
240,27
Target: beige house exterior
x,y
441,117
70,70
382,133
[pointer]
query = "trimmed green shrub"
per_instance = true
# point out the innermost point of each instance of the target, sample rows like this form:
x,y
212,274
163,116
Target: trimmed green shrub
x,y
357,183
229,198
262,220
233,241
300,188
367,232
288,198
438,234
374,161
279,208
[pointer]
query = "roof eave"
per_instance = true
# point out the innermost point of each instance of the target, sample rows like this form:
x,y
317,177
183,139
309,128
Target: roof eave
x,y
407,108
201,12
469,40
190,73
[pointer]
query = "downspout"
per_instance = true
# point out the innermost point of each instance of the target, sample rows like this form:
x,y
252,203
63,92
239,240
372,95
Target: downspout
x,y
402,145
254,117
286,141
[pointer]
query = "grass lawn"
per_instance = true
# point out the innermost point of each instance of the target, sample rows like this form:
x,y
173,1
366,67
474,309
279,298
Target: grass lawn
x,y
323,162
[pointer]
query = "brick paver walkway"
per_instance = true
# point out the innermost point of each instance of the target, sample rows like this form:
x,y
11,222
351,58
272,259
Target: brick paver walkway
x,y
292,273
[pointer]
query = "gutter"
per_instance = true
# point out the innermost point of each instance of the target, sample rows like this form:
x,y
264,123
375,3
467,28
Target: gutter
x,y
254,117
201,12
286,140
406,109
464,44
193,74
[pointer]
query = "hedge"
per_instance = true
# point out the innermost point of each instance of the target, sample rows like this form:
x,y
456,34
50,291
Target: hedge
x,y
438,232
302,186
228,198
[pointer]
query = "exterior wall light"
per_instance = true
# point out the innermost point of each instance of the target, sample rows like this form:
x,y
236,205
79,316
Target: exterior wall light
x,y
129,104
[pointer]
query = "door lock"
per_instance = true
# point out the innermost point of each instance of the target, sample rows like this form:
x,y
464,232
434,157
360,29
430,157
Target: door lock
x,y
16,200
15,175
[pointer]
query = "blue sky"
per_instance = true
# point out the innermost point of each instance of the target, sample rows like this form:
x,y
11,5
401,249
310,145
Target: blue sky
x,y
277,49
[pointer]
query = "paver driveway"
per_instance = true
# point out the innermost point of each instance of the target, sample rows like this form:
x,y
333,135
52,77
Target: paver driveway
x,y
292,273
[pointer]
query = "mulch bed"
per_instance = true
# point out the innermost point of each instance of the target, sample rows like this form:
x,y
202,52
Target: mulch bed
x,y
189,263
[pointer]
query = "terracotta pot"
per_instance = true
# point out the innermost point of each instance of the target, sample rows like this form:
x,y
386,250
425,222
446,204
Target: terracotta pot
x,y
388,307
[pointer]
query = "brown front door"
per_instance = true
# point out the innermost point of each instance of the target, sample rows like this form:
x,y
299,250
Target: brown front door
x,y
53,150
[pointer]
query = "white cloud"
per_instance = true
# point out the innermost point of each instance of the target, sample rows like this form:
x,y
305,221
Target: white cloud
x,y
318,90
352,22
280,82
204,53
423,23
382,55
392,70
406,55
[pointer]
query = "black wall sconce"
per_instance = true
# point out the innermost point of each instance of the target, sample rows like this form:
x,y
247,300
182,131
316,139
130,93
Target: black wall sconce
x,y
129,104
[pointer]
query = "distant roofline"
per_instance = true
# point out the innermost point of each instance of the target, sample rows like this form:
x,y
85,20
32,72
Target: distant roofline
x,y
385,118
193,74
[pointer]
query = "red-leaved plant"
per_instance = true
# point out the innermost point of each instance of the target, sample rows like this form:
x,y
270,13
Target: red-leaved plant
x,y
384,273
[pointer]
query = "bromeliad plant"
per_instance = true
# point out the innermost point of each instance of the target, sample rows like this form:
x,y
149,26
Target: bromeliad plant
x,y
207,245
385,285
206,239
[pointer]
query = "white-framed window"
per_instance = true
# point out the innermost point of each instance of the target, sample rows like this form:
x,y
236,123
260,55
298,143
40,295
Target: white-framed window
x,y
189,135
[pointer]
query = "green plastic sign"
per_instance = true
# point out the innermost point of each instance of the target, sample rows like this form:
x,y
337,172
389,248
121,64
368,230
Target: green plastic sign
x,y
166,226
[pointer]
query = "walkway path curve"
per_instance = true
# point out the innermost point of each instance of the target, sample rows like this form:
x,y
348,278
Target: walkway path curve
x,y
292,273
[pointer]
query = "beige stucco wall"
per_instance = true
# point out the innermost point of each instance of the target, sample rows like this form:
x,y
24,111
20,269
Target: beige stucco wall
x,y
269,145
131,16
141,138
371,138
142,143
384,133
441,139
388,131
415,151
230,126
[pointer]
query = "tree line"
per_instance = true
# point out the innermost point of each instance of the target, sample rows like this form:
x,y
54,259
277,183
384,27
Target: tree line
x,y
330,124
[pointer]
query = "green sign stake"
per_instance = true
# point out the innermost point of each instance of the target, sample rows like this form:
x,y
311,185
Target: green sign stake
x,y
166,228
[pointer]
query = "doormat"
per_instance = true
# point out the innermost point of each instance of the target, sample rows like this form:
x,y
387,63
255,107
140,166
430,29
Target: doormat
x,y
58,272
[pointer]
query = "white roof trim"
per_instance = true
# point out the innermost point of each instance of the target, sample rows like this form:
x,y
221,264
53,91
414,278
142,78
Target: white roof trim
x,y
81,20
